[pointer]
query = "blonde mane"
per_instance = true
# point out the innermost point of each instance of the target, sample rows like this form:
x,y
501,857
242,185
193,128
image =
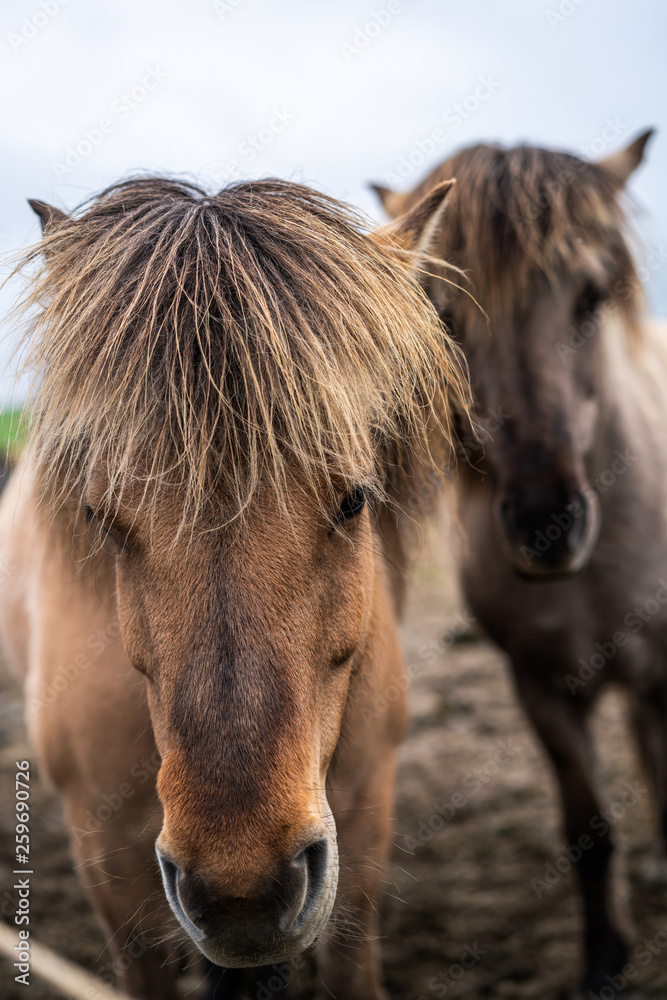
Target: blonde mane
x,y
210,344
520,213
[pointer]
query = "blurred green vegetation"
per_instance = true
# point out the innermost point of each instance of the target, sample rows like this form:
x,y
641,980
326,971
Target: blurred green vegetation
x,y
13,429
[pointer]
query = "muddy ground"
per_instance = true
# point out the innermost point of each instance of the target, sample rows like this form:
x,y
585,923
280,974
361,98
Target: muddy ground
x,y
465,887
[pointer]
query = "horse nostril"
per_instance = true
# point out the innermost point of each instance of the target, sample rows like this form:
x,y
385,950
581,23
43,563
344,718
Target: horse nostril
x,y
170,873
314,860
171,876
504,511
579,507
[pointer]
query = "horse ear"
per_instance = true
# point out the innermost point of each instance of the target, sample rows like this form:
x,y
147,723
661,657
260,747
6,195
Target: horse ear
x,y
419,227
49,216
620,165
392,202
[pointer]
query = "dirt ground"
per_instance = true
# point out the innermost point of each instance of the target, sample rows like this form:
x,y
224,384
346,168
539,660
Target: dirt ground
x,y
462,888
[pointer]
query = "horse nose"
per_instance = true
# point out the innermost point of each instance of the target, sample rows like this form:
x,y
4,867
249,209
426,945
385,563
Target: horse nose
x,y
171,876
313,861
546,524
239,928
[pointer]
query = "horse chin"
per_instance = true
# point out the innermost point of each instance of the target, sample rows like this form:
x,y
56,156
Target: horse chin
x,y
535,574
535,570
220,954
248,960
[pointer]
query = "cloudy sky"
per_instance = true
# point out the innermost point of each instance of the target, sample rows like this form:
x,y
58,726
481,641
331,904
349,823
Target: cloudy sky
x,y
333,94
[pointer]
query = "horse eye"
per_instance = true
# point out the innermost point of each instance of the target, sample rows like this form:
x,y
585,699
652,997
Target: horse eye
x,y
450,327
91,516
352,505
589,301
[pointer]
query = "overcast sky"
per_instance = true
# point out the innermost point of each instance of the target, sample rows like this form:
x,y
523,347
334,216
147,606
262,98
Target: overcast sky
x,y
333,94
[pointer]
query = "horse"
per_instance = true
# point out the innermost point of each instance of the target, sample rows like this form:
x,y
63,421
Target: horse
x,y
233,394
563,547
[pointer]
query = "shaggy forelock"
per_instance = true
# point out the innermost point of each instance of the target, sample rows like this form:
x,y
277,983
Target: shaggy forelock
x,y
217,344
524,214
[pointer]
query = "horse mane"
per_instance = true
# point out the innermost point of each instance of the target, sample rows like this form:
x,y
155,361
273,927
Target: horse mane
x,y
209,344
522,212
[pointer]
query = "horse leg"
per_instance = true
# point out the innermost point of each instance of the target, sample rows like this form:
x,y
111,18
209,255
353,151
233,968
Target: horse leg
x,y
650,724
117,866
560,720
96,746
349,956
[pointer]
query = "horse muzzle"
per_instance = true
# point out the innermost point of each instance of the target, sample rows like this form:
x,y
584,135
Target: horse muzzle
x,y
548,531
266,925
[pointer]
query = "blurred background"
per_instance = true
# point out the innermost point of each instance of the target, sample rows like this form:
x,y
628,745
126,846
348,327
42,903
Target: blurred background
x,y
331,94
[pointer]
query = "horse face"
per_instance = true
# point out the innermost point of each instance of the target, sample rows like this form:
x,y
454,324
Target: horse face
x,y
537,382
247,637
516,216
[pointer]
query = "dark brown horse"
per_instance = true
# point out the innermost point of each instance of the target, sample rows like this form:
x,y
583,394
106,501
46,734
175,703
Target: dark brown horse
x,y
234,394
565,513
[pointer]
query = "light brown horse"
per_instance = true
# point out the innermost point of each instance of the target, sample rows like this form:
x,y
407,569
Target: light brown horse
x,y
565,513
233,394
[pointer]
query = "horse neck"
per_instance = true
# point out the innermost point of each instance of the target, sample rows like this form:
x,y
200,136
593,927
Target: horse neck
x,y
633,411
